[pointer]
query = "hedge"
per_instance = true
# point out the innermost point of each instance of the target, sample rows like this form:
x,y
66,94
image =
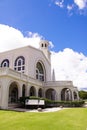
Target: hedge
x,y
51,103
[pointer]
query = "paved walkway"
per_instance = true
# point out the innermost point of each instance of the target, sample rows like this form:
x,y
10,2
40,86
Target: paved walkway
x,y
36,110
85,105
48,109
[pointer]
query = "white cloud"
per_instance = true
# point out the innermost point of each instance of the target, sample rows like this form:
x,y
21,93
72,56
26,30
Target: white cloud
x,y
70,7
51,44
81,3
59,3
11,38
70,65
73,5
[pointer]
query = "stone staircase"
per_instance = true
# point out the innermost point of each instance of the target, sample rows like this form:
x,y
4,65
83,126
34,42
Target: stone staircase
x,y
13,105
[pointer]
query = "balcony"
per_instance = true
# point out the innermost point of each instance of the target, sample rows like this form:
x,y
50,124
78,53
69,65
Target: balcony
x,y
5,71
58,83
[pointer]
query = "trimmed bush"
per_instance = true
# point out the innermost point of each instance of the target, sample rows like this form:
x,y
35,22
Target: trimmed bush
x,y
51,103
22,100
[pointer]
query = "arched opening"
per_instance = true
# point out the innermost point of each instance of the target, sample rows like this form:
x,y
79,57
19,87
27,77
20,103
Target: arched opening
x,y
40,71
50,94
13,93
23,90
5,63
32,91
42,45
66,94
75,95
45,45
40,94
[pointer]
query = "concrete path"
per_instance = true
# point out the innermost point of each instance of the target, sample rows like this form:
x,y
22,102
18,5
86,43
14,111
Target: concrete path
x,y
36,110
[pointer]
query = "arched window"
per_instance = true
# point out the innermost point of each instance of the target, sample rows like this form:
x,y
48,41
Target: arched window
x,y
45,45
32,91
42,45
20,64
5,63
39,72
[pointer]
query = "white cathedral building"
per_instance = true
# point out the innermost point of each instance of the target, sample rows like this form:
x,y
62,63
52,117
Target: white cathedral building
x,y
26,71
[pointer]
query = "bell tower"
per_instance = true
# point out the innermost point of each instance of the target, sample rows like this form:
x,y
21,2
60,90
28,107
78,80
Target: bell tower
x,y
44,44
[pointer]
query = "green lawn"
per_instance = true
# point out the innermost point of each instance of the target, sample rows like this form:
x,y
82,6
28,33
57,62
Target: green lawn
x,y
66,119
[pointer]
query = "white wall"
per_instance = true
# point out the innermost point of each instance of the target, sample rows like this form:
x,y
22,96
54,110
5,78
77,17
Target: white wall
x,y
32,56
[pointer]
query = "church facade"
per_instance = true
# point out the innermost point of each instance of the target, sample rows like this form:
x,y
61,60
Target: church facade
x,y
26,71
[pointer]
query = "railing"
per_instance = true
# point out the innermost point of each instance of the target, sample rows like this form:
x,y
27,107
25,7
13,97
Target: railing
x,y
58,83
26,78
12,73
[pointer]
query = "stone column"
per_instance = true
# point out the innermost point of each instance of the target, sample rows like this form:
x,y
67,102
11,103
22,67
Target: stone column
x,y
4,94
72,96
20,90
44,92
58,94
36,91
77,95
27,90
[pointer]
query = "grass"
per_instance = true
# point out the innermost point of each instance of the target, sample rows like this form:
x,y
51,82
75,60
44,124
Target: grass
x,y
66,119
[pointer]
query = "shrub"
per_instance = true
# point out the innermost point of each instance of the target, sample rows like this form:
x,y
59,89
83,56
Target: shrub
x,y
34,97
51,103
22,100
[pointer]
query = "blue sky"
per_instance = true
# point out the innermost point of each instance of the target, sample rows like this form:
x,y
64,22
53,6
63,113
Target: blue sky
x,y
63,28
63,22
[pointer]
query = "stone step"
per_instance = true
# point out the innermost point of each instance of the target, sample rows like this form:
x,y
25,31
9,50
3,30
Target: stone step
x,y
13,105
